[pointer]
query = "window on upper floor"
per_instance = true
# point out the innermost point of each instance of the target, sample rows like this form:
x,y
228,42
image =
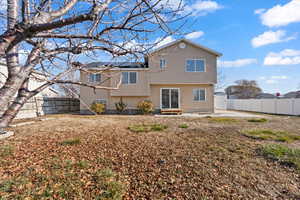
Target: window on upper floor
x,y
93,78
195,65
162,63
129,77
199,94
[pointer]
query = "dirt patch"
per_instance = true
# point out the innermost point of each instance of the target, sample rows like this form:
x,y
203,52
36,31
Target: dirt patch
x,y
206,160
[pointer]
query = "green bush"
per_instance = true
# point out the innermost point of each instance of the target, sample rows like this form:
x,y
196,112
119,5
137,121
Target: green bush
x,y
146,128
98,108
158,127
265,134
283,154
145,107
258,120
121,106
183,126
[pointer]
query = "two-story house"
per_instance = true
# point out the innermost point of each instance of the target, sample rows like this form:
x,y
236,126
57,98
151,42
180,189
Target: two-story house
x,y
179,75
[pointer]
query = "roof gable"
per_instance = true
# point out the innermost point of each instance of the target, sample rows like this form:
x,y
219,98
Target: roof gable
x,y
188,42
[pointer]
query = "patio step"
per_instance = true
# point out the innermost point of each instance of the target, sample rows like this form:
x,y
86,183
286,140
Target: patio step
x,y
171,111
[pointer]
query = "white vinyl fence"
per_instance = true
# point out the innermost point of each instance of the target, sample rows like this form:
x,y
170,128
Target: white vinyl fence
x,y
272,106
220,102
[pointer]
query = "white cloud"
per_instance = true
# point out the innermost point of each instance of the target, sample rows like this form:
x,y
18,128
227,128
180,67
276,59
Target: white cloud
x,y
282,15
132,45
271,37
194,35
262,78
198,8
279,77
259,11
160,42
201,8
237,63
3,5
271,81
285,57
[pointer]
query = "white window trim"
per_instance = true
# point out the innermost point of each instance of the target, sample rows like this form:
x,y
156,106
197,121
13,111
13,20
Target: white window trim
x,y
195,59
129,78
165,61
204,93
179,98
101,100
89,78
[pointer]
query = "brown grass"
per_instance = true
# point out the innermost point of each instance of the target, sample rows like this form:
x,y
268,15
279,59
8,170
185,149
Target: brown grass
x,y
207,160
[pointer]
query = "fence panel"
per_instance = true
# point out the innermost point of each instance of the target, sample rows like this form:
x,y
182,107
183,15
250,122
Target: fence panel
x,y
271,106
220,102
296,106
284,106
47,105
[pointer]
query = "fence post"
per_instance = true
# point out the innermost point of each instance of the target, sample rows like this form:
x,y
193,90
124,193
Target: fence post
x,y
275,106
36,108
293,106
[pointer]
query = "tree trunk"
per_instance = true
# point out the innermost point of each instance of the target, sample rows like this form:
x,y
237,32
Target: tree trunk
x,y
14,108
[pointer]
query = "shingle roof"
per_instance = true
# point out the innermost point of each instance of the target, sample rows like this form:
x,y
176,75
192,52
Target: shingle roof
x,y
117,64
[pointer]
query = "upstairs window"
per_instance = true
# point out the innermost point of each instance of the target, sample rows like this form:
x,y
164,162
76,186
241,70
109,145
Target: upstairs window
x,y
129,77
199,94
95,78
195,65
162,63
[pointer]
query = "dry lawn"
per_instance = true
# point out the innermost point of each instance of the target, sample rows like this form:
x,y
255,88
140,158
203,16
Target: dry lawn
x,y
99,157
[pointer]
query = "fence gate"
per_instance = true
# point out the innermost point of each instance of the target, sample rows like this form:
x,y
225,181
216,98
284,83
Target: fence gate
x,y
220,102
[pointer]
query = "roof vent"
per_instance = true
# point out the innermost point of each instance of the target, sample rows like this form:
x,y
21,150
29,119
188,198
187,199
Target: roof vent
x,y
182,45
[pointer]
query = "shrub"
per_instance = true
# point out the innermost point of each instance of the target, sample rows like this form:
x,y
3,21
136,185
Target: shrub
x,y
183,126
260,120
145,107
120,106
98,108
283,154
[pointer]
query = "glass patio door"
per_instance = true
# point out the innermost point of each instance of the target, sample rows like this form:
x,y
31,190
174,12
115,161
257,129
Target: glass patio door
x,y
169,98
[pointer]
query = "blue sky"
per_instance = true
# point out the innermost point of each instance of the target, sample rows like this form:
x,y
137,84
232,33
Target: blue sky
x,y
259,40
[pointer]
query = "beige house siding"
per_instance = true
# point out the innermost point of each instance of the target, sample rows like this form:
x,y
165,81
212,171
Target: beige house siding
x,y
174,71
130,101
187,104
89,95
151,80
141,88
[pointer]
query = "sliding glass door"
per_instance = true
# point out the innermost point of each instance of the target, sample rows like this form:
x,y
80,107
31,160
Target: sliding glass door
x,y
169,98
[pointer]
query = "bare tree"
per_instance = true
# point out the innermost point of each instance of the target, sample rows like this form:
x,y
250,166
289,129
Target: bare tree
x,y
54,35
244,89
220,80
70,90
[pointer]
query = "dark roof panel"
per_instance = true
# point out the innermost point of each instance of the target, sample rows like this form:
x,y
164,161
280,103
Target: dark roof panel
x,y
117,64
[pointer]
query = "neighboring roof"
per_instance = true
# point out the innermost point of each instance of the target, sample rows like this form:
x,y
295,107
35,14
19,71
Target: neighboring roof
x,y
265,95
116,64
220,93
295,94
189,42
